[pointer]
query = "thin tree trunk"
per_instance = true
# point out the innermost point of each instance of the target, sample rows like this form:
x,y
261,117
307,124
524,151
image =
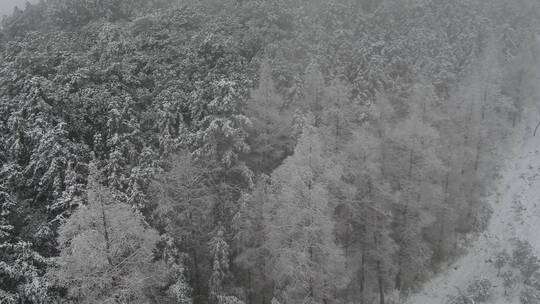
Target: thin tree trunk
x,y
398,279
380,131
315,110
195,274
106,234
311,292
442,236
483,107
379,272
424,112
380,283
477,159
337,131
250,287
404,215
536,129
383,156
446,182
411,164
363,277
364,159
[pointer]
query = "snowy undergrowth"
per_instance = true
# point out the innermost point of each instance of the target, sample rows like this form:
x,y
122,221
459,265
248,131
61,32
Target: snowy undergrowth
x,y
516,205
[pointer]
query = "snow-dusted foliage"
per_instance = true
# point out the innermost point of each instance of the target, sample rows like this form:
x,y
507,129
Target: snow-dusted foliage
x,y
258,151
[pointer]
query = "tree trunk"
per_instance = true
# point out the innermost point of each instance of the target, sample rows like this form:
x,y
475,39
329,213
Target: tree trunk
x,y
311,291
383,173
337,131
477,159
536,129
398,279
380,129
447,182
483,107
442,252
363,277
315,110
380,283
250,288
195,274
404,215
424,112
106,234
411,164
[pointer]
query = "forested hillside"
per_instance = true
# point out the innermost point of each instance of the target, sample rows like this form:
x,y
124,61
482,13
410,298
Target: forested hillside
x,y
252,151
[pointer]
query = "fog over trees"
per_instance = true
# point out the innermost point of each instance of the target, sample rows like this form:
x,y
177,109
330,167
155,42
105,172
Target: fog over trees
x,y
259,151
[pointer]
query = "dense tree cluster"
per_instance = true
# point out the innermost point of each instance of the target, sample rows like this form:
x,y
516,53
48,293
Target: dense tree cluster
x,y
255,151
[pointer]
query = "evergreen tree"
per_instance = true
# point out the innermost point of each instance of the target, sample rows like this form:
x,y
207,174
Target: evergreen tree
x,y
221,128
182,202
340,114
106,250
180,289
271,137
314,98
365,218
219,250
249,239
305,262
20,265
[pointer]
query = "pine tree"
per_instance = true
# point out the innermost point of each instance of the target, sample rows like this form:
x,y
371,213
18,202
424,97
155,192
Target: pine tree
x,y
180,289
20,265
106,250
304,260
141,178
340,114
365,217
271,139
219,250
314,98
221,129
418,139
176,282
248,241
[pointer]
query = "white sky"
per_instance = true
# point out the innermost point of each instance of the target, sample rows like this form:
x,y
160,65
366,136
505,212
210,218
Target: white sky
x,y
6,6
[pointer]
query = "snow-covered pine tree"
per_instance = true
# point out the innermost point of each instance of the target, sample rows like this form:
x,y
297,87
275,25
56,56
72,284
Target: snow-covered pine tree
x,y
314,100
365,216
304,261
106,250
271,138
220,265
21,267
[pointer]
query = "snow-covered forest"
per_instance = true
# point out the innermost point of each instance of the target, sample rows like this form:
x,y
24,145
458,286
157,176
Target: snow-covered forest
x,y
270,152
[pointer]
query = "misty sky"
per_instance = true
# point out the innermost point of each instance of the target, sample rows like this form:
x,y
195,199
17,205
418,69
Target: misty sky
x,y
6,6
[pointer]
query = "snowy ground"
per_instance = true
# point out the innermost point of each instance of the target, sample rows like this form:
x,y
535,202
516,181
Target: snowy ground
x,y
516,205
